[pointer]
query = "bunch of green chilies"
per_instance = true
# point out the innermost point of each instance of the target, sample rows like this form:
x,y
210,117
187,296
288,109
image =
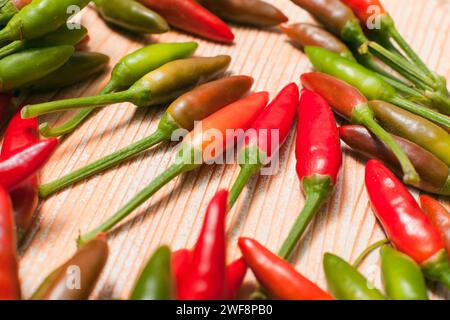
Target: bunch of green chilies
x,y
402,121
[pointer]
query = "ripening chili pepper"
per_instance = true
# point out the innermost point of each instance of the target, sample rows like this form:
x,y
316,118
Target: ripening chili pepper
x,y
87,263
197,148
405,224
181,114
236,272
125,73
131,15
265,137
156,280
80,67
190,16
401,275
305,34
34,21
205,277
319,160
250,12
434,174
368,82
9,273
413,128
350,103
26,66
277,276
159,86
9,8
439,216
345,282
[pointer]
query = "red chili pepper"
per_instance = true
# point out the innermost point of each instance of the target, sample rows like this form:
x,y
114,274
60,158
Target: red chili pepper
x,y
319,159
190,16
9,275
365,9
406,225
440,217
206,272
235,277
277,276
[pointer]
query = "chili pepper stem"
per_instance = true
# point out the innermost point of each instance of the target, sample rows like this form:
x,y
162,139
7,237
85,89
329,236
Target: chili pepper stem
x,y
363,255
246,172
364,115
317,189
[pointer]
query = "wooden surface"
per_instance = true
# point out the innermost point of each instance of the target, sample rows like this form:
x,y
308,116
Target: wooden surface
x,y
268,206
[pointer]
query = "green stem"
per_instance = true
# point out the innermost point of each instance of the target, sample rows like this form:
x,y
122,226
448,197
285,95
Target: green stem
x,y
364,115
440,100
246,172
102,164
368,251
11,48
173,171
403,88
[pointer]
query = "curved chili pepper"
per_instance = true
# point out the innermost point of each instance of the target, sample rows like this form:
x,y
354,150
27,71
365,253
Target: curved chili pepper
x,y
413,128
350,103
439,216
305,34
250,12
76,279
402,277
181,114
156,280
434,174
195,149
261,141
9,8
131,15
236,272
277,276
9,273
190,16
125,73
164,84
405,224
345,282
319,160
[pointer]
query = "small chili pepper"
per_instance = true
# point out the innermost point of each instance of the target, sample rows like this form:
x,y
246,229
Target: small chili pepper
x,y
277,276
157,87
126,72
33,20
319,160
260,140
181,114
206,274
439,216
80,67
413,128
190,16
236,272
402,277
434,174
26,66
156,280
9,8
350,103
9,273
305,34
346,283
405,224
249,12
131,15
86,264
196,148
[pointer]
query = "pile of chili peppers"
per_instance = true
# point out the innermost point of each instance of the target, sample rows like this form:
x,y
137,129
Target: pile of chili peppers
x,y
400,121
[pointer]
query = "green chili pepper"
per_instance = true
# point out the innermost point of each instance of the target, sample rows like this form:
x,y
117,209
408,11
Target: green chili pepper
x,y
368,82
413,128
159,86
80,66
402,277
156,281
346,283
39,18
24,67
131,15
127,71
9,8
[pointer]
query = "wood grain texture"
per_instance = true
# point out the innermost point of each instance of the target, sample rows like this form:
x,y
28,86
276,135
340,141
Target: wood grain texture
x,y
268,206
